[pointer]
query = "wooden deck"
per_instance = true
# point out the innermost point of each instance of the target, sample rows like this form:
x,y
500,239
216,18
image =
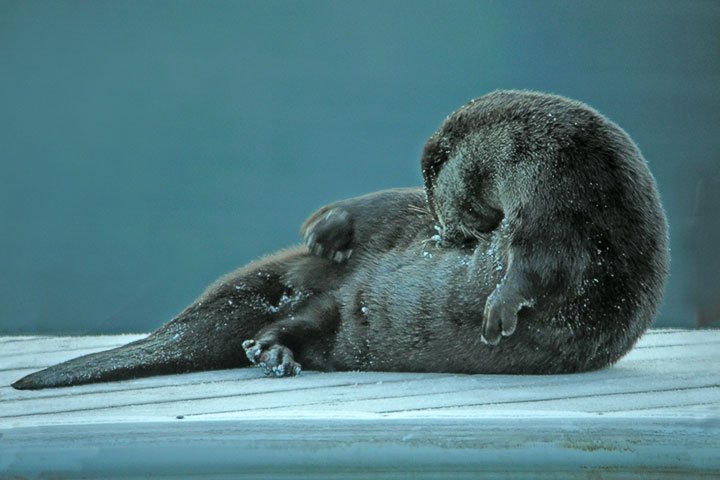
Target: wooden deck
x,y
657,413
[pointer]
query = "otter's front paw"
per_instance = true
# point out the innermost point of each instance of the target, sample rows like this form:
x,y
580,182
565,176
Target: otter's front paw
x,y
274,359
501,313
331,235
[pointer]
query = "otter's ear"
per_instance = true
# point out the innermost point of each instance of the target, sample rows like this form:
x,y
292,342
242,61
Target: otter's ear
x,y
434,156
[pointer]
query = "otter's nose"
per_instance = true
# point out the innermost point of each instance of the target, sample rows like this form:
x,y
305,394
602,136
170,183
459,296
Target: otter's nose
x,y
449,237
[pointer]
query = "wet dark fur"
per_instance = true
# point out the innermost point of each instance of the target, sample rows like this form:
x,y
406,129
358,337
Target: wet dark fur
x,y
551,234
583,229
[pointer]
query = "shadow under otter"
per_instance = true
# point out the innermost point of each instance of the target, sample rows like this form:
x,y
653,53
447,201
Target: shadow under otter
x,y
538,245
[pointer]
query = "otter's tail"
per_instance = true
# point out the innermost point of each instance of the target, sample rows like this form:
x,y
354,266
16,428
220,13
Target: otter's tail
x,y
171,349
208,335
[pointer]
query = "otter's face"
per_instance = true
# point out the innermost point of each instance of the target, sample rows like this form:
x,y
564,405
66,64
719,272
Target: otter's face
x,y
460,193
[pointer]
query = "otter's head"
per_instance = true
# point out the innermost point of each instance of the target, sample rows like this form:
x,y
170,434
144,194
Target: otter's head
x,y
460,185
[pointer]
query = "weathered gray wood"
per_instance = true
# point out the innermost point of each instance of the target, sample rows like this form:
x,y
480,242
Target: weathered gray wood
x,y
656,413
48,351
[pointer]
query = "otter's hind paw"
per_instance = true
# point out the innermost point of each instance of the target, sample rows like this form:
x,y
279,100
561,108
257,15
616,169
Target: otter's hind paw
x,y
276,360
331,236
501,314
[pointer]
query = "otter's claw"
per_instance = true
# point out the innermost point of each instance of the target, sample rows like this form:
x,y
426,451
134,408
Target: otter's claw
x,y
276,360
331,235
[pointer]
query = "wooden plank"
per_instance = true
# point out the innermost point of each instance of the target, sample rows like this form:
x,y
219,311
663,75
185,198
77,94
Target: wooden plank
x,y
190,380
656,414
22,338
661,338
644,372
680,397
168,398
49,351
679,359
42,344
367,392
585,398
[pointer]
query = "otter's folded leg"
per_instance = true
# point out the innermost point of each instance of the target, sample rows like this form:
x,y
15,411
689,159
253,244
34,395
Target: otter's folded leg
x,y
308,335
370,223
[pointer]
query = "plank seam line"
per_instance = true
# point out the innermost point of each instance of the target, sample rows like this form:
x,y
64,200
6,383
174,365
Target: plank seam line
x,y
446,406
637,347
682,405
91,350
574,397
359,382
193,399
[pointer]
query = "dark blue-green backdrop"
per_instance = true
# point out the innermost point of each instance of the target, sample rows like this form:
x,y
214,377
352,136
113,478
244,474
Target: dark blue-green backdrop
x,y
147,147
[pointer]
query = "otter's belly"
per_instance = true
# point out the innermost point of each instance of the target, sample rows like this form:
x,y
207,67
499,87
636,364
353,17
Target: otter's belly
x,y
418,309
421,309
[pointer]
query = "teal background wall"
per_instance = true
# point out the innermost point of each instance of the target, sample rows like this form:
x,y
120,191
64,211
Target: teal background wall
x,y
147,147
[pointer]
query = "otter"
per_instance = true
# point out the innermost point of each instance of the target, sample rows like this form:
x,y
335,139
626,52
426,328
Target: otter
x,y
539,224
551,235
